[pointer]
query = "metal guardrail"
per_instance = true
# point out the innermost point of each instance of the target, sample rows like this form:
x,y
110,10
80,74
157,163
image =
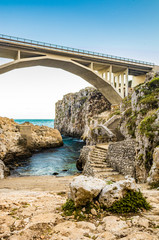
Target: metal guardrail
x,y
69,49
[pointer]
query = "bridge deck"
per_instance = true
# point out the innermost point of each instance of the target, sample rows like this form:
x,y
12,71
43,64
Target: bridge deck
x,y
44,47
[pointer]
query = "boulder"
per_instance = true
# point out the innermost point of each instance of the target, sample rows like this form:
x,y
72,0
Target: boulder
x,y
116,191
85,189
154,172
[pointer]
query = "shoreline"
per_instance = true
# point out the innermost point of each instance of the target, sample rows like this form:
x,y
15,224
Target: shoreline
x,y
37,183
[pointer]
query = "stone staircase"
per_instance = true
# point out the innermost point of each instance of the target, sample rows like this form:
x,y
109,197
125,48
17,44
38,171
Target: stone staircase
x,y
98,164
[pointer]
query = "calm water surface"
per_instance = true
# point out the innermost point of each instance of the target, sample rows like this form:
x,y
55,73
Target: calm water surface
x,y
60,160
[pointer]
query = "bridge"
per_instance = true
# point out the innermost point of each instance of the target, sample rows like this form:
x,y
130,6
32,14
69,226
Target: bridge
x,y
109,74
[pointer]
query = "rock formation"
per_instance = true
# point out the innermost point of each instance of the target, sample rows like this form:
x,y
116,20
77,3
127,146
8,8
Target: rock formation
x,y
140,121
84,189
14,138
78,114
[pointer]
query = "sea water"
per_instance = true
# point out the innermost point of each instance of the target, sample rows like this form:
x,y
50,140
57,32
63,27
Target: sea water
x,y
61,160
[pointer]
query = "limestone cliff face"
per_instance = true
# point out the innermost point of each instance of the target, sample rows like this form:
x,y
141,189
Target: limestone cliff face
x,y
75,113
141,121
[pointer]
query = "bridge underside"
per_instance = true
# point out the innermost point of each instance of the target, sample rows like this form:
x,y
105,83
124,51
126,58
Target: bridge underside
x,y
109,77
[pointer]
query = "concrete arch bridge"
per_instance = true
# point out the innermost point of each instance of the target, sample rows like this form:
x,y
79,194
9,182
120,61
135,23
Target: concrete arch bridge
x,y
109,74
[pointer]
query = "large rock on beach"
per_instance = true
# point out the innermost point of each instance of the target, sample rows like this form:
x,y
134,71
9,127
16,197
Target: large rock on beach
x,y
116,191
84,189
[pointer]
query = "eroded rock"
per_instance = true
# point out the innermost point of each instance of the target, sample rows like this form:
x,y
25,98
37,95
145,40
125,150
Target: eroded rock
x,y
84,189
116,191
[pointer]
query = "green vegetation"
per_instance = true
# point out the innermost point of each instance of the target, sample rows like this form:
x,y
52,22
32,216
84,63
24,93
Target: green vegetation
x,y
81,212
131,125
154,83
132,202
150,100
89,120
128,112
146,126
73,120
148,160
83,99
154,185
68,207
116,112
127,101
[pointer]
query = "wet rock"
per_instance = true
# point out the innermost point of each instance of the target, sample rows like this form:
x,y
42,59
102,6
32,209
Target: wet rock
x,y
55,173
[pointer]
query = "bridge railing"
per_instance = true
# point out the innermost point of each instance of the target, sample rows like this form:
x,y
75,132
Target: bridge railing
x,y
69,49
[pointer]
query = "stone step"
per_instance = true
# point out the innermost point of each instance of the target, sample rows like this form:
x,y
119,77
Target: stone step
x,y
103,147
100,166
99,151
111,173
97,155
98,163
98,158
105,170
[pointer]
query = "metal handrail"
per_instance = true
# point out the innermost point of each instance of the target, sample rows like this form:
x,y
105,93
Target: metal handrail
x,y
69,49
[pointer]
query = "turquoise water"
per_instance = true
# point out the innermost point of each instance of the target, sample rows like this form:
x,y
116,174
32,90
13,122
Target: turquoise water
x,y
40,122
60,160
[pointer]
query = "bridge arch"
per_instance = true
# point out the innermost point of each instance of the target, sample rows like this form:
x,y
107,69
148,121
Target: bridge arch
x,y
68,65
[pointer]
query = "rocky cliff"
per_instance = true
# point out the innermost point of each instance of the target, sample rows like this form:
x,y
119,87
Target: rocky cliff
x,y
77,114
87,114
140,121
19,141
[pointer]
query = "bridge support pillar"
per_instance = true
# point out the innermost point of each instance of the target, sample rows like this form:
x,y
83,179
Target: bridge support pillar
x,y
110,74
137,80
126,82
18,55
120,82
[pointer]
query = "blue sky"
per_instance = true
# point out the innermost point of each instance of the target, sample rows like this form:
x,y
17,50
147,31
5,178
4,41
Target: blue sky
x,y
128,28
124,27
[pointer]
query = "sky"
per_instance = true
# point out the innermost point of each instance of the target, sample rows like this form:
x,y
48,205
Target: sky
x,y
127,28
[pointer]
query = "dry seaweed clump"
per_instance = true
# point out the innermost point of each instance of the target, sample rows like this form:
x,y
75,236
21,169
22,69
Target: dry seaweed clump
x,y
132,202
